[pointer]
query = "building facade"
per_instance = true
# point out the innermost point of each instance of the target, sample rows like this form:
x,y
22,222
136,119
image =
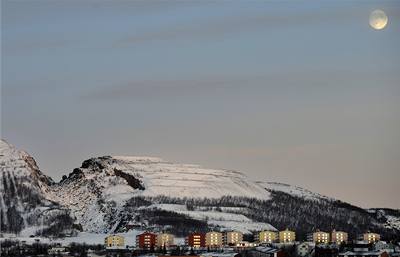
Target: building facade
x,y
267,236
214,239
320,237
233,237
165,239
114,241
371,237
339,237
245,244
287,236
146,240
196,240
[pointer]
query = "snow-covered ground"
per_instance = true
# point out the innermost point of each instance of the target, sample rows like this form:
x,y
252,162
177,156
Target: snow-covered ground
x,y
226,220
83,237
203,215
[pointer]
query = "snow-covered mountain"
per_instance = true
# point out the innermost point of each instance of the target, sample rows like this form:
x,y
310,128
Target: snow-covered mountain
x,y
115,194
99,191
26,195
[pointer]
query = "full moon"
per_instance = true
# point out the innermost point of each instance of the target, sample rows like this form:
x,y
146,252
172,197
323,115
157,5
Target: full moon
x,y
378,19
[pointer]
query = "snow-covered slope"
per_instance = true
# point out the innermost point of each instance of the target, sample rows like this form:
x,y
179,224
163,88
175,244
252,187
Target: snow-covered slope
x,y
26,193
23,167
389,217
98,191
183,180
293,190
228,218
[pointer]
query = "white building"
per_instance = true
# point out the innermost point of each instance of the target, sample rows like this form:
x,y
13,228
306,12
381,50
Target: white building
x,y
214,239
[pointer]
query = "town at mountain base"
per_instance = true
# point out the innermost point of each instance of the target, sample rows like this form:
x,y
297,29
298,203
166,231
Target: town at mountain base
x,y
117,194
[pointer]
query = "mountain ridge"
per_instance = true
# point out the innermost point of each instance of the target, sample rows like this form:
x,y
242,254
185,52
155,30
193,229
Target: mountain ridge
x,y
26,195
118,193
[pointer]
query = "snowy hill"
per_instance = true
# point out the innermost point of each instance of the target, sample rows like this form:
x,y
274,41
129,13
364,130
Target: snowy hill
x,y
99,191
122,193
25,197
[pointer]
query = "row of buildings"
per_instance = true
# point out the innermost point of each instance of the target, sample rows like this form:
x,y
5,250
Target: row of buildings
x,y
319,237
340,237
214,239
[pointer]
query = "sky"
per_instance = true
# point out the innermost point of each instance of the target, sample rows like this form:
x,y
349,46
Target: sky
x,y
300,92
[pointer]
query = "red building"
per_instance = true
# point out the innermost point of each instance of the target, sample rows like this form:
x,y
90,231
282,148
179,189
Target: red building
x,y
146,240
196,240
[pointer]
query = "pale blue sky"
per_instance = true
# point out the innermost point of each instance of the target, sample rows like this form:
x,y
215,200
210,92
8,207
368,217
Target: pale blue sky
x,y
299,92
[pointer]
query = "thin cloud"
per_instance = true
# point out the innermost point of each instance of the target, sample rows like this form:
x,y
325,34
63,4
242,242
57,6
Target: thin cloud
x,y
148,88
305,80
235,24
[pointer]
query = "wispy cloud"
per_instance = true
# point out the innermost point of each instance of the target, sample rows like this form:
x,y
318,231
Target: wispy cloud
x,y
232,24
299,80
148,88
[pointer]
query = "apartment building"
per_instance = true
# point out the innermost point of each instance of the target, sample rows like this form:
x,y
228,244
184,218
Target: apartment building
x,y
339,237
165,239
287,236
196,240
114,241
233,237
214,239
320,237
371,237
267,236
146,240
